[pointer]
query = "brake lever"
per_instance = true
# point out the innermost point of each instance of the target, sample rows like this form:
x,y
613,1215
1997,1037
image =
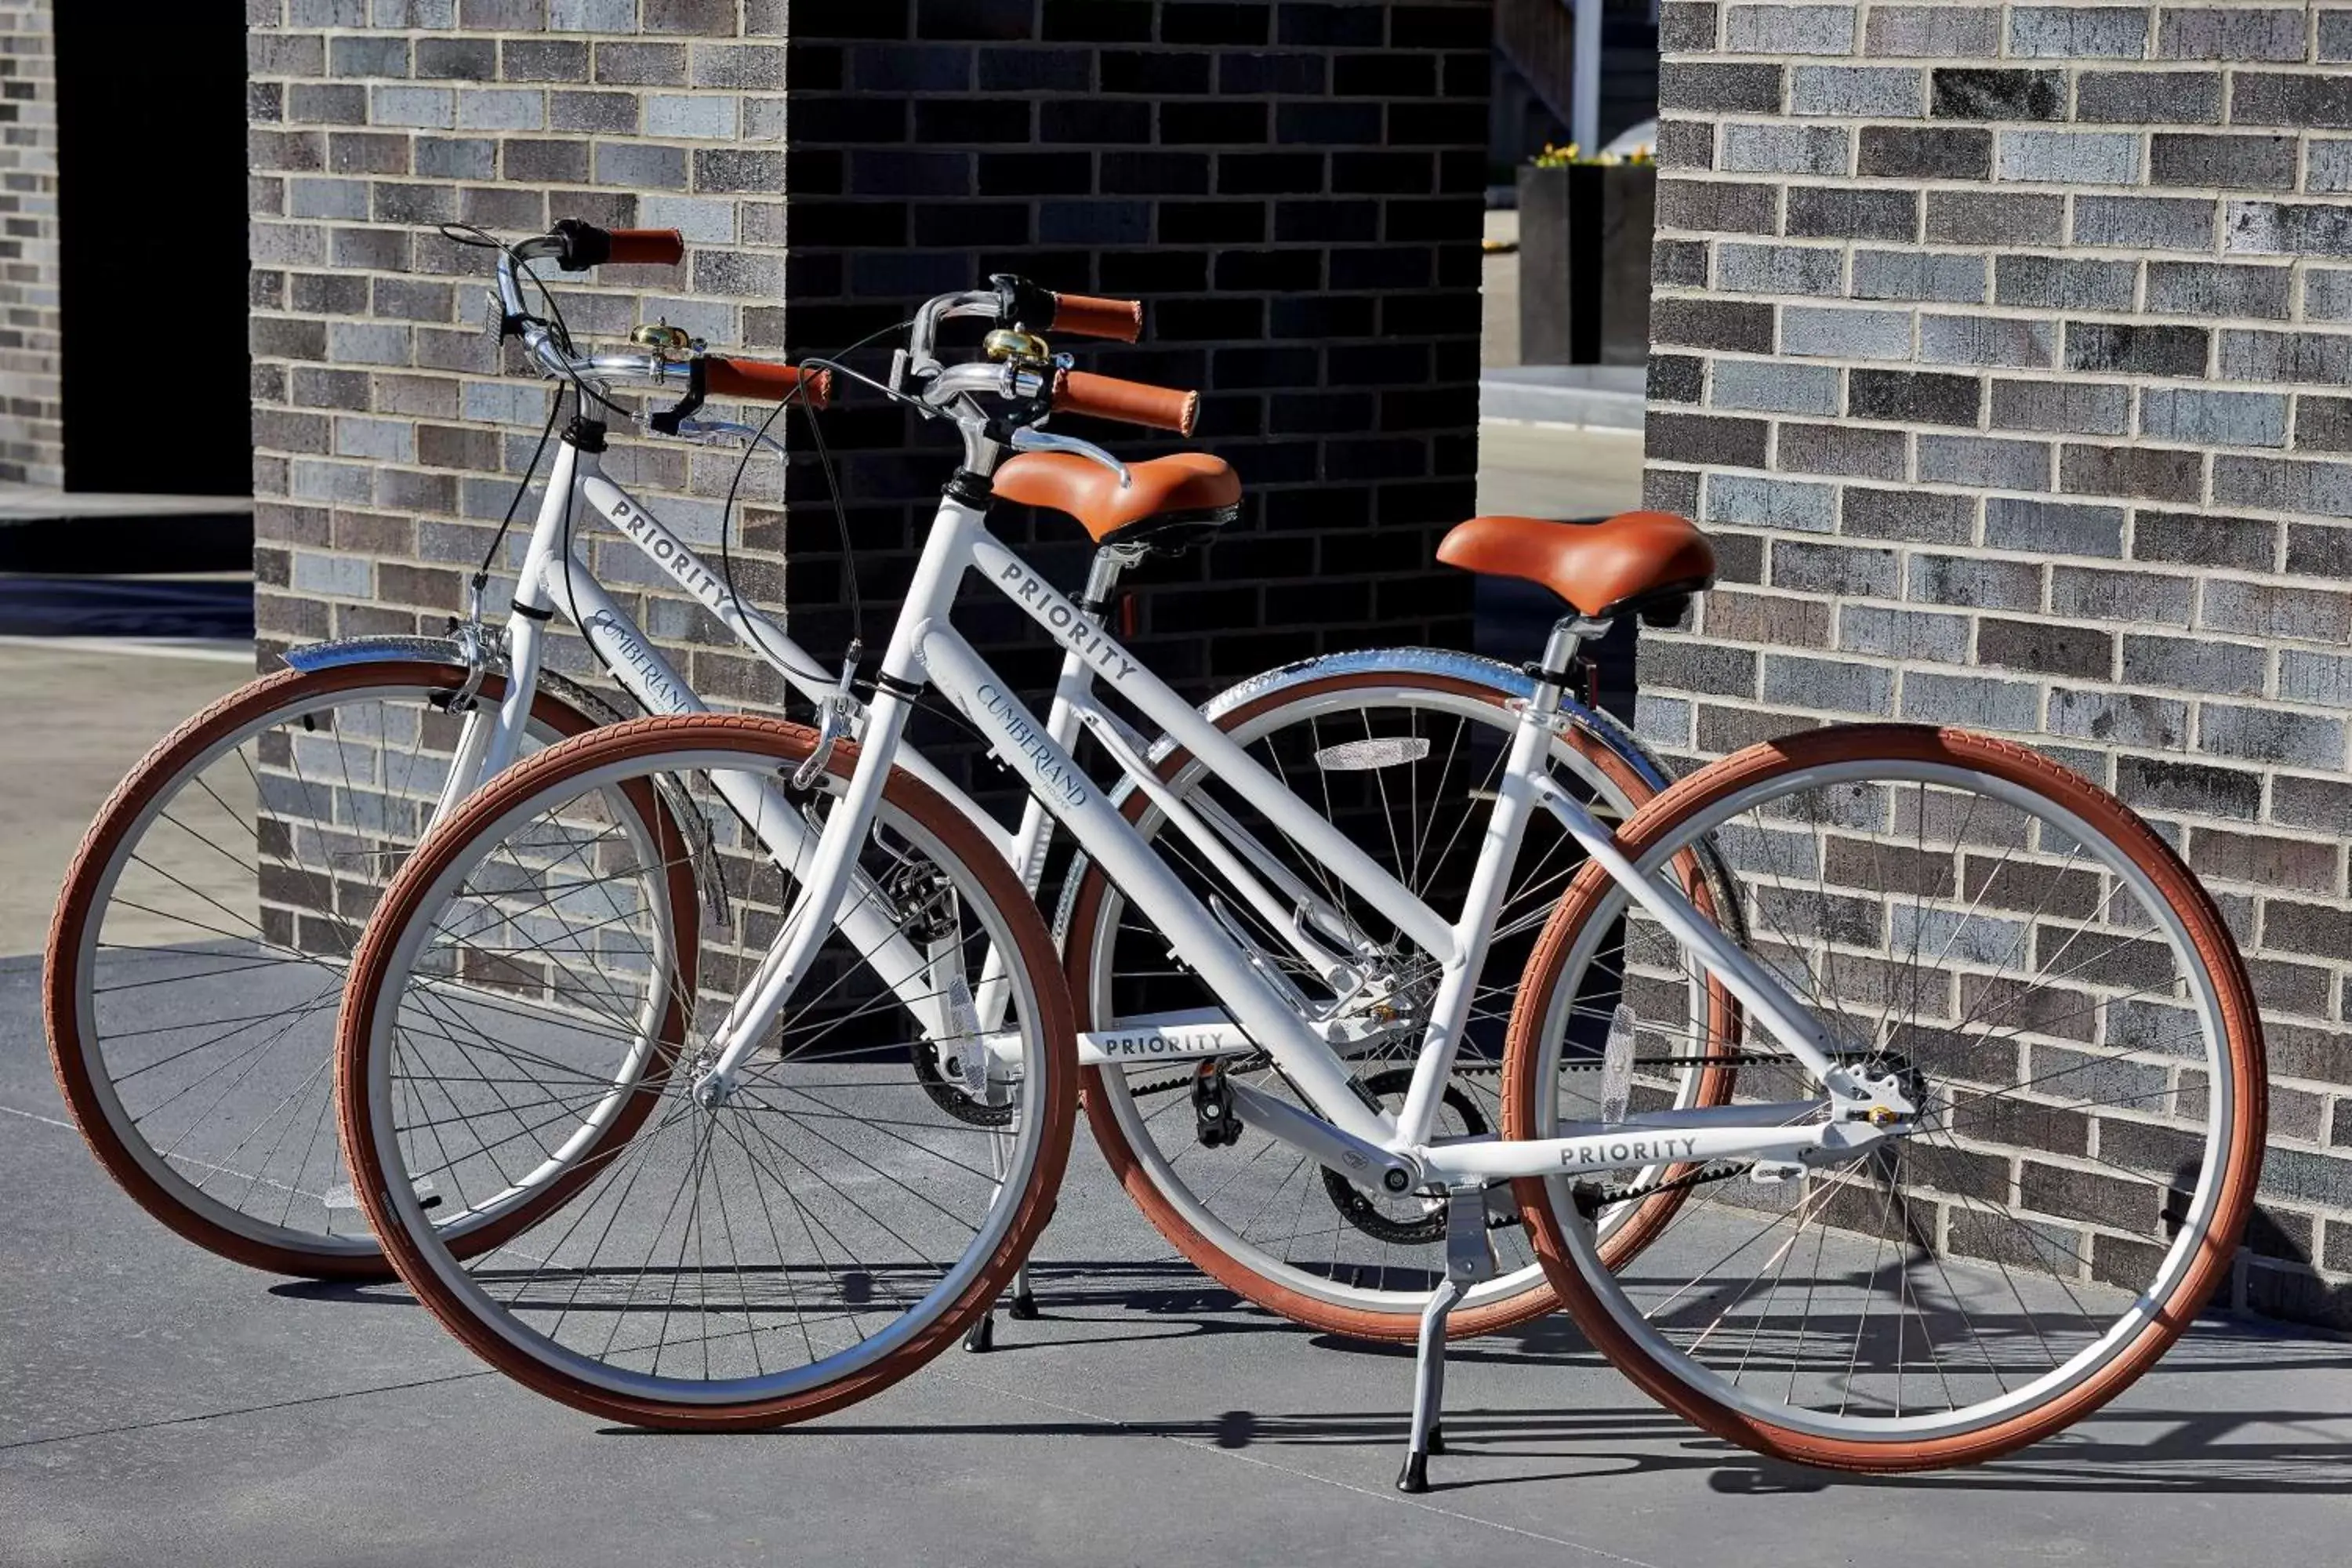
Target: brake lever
x,y
721,429
1028,439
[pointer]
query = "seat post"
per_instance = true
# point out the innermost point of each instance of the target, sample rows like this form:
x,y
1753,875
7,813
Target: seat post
x,y
1110,564
1554,674
1102,580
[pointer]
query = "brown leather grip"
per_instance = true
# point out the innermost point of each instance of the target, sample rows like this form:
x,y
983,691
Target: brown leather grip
x,y
647,246
760,381
1084,316
1107,397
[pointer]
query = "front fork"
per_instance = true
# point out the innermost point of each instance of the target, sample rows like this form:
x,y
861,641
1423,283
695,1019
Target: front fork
x,y
491,740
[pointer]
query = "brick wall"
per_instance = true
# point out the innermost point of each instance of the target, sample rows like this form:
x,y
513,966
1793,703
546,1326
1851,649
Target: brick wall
x,y
387,436
32,416
2003,348
1296,190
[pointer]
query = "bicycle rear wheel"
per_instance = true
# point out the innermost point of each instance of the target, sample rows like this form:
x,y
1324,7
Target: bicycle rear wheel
x,y
1404,757
2067,1009
801,1243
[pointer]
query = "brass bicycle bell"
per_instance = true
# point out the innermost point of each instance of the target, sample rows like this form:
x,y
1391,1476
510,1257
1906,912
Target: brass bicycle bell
x,y
1010,345
663,338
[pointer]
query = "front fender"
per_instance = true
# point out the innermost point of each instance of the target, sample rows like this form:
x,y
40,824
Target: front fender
x,y
587,701
347,651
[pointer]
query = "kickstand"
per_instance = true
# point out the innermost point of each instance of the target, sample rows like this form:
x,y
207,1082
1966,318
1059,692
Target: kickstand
x,y
982,1336
1469,1260
1019,1304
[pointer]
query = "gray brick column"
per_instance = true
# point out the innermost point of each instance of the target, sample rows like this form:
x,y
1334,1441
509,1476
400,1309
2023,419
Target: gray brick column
x,y
2003,347
32,429
389,437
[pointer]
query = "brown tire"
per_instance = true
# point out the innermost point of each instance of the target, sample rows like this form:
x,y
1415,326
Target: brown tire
x,y
73,1034
2196,1268
775,748
1134,1172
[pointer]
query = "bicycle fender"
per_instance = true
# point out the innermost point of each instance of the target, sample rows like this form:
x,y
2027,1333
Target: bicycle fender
x,y
584,701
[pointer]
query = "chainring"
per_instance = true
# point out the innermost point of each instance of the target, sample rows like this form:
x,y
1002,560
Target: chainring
x,y
1357,1208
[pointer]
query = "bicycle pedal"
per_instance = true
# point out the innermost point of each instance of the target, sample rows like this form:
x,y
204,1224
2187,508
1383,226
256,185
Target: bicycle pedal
x,y
1213,1122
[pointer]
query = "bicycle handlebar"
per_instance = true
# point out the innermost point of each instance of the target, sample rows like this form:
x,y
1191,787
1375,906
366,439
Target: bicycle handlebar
x,y
765,381
586,245
1133,402
576,247
1085,315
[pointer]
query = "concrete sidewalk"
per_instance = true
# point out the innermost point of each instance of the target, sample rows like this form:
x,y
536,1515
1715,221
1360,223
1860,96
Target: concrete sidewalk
x,y
81,714
160,1406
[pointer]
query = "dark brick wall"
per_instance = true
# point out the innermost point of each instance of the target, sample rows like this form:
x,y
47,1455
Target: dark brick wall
x,y
1295,191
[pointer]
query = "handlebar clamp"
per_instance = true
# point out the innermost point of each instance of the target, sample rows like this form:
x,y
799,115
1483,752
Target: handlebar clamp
x,y
1021,303
697,387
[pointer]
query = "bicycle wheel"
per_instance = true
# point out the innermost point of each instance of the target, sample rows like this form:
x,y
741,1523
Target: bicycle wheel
x,y
797,1246
230,873
2062,1002
1405,759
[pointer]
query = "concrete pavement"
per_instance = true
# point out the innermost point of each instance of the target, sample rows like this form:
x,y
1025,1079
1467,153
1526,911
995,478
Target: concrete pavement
x,y
1552,471
157,1405
81,714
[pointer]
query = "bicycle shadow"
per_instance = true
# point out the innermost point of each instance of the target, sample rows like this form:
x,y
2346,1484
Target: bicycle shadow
x,y
2125,1450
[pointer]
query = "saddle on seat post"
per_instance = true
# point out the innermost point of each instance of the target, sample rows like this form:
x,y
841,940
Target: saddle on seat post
x,y
1647,563
1168,504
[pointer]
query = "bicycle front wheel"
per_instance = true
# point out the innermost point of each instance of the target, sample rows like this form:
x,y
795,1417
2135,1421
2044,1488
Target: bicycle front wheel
x,y
2063,1006
201,937
795,1246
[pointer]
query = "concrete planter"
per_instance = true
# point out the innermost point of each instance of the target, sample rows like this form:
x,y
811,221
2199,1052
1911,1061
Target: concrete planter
x,y
1584,263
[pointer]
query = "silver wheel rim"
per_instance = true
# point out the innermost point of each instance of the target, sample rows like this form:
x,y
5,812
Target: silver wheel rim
x,y
159,1165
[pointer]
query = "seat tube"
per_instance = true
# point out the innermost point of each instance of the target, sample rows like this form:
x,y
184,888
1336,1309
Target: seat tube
x,y
1506,824
1036,830
1076,680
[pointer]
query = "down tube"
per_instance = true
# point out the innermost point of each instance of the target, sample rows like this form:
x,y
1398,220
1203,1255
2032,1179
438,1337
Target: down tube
x,y
782,832
1022,742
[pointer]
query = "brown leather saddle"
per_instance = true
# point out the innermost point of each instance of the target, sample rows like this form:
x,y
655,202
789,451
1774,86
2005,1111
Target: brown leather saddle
x,y
1168,504
1647,563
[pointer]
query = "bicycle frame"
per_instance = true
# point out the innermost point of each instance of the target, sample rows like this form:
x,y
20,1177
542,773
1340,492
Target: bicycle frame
x,y
554,582
1349,1135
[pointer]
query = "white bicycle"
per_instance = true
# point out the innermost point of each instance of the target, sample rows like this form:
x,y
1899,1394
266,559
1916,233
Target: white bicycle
x,y
1938,1161
233,869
